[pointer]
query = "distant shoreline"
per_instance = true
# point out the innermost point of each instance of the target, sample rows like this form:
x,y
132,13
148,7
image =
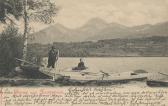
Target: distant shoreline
x,y
139,47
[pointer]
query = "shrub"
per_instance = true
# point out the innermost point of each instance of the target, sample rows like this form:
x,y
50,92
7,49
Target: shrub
x,y
11,45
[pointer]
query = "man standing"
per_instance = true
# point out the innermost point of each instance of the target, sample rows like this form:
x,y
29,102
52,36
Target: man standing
x,y
52,57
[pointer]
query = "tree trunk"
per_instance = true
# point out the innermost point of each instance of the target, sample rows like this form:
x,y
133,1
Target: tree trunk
x,y
25,36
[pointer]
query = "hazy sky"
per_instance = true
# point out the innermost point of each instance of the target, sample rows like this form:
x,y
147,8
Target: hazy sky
x,y
75,13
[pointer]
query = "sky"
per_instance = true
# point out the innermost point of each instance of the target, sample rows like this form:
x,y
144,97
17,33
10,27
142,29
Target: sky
x,y
75,13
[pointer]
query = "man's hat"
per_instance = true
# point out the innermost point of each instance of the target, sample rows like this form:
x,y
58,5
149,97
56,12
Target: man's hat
x,y
81,59
52,47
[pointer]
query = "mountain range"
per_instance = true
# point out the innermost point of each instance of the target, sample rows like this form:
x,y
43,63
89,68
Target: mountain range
x,y
97,29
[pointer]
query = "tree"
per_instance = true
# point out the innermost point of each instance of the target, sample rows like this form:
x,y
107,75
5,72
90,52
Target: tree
x,y
29,10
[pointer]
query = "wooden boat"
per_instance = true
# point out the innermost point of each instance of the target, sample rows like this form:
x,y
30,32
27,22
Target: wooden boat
x,y
86,76
160,81
157,83
30,72
89,77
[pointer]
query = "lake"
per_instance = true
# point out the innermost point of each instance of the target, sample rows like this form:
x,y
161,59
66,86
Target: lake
x,y
116,64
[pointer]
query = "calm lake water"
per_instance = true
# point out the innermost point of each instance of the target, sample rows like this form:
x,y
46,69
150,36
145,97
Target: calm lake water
x,y
117,64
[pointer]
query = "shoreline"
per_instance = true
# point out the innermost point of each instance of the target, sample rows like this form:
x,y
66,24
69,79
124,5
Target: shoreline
x,y
50,83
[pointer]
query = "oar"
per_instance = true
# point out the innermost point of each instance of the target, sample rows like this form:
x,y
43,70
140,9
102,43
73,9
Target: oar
x,y
28,62
104,73
87,73
162,74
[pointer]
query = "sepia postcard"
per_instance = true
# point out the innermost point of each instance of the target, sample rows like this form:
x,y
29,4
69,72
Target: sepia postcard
x,y
83,52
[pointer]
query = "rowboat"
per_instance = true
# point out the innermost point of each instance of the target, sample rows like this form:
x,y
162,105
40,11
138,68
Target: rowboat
x,y
86,76
160,81
157,83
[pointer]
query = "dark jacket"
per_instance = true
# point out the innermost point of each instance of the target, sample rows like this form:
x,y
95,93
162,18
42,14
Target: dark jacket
x,y
81,65
52,58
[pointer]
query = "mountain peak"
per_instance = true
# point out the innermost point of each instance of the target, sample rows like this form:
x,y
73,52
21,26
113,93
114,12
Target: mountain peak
x,y
97,20
94,24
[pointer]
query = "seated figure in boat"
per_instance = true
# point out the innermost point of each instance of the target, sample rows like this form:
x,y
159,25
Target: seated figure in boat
x,y
52,57
81,66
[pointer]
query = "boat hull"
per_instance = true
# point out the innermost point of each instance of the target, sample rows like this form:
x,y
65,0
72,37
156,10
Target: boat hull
x,y
68,81
155,83
34,72
83,77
